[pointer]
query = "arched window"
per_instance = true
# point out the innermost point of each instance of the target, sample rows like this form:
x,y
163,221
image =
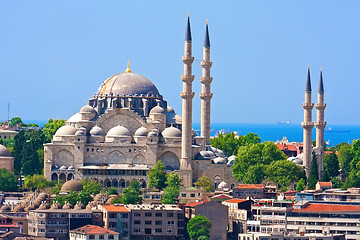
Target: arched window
x,y
170,160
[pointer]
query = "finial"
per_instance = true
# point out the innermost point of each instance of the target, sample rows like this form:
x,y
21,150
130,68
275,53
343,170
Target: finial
x,y
309,66
207,21
320,68
128,67
188,13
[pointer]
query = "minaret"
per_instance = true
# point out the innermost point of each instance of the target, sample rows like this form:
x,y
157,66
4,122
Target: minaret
x,y
187,96
205,94
320,125
307,126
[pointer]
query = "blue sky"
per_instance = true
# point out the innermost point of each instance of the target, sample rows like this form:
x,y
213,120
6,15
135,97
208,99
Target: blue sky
x,y
55,54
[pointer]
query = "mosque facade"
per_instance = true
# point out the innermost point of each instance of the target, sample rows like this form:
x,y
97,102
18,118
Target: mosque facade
x,y
127,126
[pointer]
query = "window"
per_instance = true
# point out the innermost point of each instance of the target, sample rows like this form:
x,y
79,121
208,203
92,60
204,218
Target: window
x,y
158,214
170,223
147,230
169,230
148,214
112,225
155,197
92,237
158,222
101,236
170,215
183,195
136,230
137,222
41,230
125,215
111,237
112,215
136,214
192,195
147,222
53,215
158,230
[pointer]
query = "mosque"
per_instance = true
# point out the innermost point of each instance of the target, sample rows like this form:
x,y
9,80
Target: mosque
x,y
127,126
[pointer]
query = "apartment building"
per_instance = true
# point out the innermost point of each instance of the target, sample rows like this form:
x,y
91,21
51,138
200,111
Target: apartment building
x,y
282,236
239,211
88,232
117,218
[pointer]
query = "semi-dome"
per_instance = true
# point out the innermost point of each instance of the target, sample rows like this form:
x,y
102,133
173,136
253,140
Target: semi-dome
x,y
4,152
119,131
153,133
219,160
96,131
204,155
157,110
87,109
128,84
222,185
71,185
81,132
141,132
66,131
171,132
170,109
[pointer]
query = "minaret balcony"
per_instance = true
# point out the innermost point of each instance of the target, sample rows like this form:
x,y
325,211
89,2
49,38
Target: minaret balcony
x,y
204,80
320,125
320,106
307,125
308,106
187,78
206,64
187,95
206,96
188,59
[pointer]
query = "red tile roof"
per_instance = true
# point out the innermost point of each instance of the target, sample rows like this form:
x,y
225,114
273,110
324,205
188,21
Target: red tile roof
x,y
329,208
250,186
236,200
92,229
115,208
194,204
325,184
283,147
222,196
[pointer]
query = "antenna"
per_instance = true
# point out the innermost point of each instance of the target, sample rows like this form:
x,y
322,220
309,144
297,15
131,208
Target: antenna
x,y
8,113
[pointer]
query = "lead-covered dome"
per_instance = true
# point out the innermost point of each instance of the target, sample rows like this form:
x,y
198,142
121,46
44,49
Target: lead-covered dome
x,y
128,84
4,152
118,131
66,131
171,132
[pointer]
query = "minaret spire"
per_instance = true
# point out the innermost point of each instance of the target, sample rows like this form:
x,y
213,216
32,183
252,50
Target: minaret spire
x,y
320,125
187,95
307,126
205,94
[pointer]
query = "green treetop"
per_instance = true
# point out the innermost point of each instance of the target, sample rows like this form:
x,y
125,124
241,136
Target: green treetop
x,y
313,176
171,192
199,227
205,182
157,176
8,181
51,127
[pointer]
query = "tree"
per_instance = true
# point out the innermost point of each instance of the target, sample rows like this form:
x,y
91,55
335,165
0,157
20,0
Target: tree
x,y
337,183
205,182
74,197
157,176
113,191
345,157
56,188
284,173
91,186
300,185
15,121
37,182
117,200
313,176
255,154
198,226
171,192
8,181
331,166
51,127
131,194
255,174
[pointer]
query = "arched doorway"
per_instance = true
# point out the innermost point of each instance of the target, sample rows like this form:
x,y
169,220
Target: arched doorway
x,y
170,160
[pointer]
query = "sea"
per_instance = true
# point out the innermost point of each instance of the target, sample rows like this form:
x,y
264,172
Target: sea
x,y
334,134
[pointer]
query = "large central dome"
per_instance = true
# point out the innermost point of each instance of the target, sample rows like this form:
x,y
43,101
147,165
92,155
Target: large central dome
x,y
128,84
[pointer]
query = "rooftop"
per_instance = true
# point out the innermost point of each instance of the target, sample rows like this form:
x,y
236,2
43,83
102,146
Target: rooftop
x,y
250,186
91,229
236,200
328,208
194,204
115,208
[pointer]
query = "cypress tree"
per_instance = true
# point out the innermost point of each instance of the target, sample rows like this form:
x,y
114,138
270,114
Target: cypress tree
x,y
313,176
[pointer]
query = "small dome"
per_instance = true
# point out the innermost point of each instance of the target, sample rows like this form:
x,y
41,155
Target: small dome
x,y
119,131
71,168
231,158
98,196
157,110
67,205
221,153
219,160
55,205
63,167
79,206
298,161
71,185
214,150
153,133
19,208
204,155
66,131
171,132
96,131
81,132
170,109
222,185
87,109
44,206
4,152
141,132
5,208
42,196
